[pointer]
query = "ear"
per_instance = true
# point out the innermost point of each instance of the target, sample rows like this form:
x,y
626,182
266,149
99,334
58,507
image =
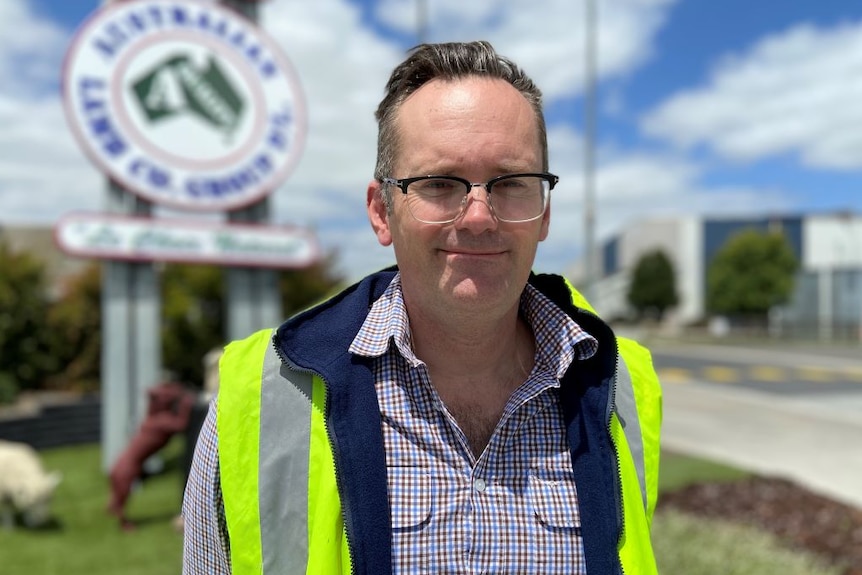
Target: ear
x,y
377,213
546,224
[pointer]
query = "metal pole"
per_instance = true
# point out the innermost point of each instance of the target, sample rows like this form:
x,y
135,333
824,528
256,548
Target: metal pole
x,y
422,21
131,357
589,147
252,299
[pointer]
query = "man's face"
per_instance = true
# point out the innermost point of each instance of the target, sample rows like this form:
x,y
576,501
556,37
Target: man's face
x,y
475,128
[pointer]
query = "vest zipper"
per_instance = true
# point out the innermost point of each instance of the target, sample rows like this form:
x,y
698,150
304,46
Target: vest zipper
x,y
618,484
345,516
618,491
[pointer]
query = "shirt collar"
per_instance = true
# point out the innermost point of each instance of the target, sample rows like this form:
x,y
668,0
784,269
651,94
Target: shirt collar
x,y
559,339
386,321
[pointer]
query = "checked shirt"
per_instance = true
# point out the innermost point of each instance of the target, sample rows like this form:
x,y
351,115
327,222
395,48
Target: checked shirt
x,y
512,510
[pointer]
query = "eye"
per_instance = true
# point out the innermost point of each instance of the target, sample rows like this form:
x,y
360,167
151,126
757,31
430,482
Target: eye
x,y
437,187
517,187
512,183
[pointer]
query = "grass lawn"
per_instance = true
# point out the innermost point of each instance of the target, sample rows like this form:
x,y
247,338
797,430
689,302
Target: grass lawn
x,y
86,541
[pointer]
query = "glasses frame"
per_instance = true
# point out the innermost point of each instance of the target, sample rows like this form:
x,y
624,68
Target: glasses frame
x,y
404,183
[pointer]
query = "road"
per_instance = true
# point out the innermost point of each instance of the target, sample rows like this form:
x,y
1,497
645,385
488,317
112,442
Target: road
x,y
792,412
782,371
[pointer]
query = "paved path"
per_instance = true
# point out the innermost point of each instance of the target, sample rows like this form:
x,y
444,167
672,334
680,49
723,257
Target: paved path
x,y
815,441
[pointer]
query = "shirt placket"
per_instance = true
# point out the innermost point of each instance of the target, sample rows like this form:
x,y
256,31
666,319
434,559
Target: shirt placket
x,y
487,517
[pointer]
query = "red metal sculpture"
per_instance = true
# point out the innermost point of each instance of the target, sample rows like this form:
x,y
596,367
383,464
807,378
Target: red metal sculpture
x,y
168,410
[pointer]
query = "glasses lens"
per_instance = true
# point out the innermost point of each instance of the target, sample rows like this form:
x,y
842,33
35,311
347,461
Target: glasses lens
x,y
518,198
514,198
436,200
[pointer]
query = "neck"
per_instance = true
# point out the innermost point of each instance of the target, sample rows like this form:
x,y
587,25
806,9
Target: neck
x,y
478,353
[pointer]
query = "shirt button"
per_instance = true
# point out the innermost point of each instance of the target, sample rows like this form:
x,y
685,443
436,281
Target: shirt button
x,y
480,485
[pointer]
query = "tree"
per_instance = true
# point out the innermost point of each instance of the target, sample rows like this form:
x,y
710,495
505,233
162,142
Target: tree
x,y
303,287
76,331
750,274
653,285
25,354
193,320
58,345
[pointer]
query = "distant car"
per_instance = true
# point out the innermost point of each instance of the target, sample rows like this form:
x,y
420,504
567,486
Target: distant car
x,y
26,489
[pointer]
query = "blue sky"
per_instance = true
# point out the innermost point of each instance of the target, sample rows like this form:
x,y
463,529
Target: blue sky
x,y
711,108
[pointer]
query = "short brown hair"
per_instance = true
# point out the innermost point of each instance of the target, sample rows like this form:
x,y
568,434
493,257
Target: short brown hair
x,y
447,61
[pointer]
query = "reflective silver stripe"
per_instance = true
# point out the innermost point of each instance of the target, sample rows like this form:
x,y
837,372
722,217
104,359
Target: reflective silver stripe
x,y
285,426
627,412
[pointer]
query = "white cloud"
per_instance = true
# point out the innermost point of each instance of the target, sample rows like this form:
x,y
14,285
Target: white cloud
x,y
41,169
629,187
797,92
42,172
545,37
31,49
343,66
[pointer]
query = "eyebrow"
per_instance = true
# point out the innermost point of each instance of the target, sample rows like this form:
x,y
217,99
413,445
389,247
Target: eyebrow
x,y
449,170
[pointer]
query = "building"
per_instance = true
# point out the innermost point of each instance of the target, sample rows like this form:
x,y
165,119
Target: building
x,y
828,290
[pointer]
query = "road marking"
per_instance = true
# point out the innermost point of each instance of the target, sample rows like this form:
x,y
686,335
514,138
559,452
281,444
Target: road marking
x,y
815,374
721,374
768,373
854,373
674,375
760,373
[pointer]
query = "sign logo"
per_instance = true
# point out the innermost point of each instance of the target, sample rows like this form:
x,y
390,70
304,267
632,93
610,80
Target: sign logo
x,y
186,104
176,87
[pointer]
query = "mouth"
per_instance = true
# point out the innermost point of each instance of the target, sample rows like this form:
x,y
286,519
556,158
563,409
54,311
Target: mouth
x,y
472,255
475,252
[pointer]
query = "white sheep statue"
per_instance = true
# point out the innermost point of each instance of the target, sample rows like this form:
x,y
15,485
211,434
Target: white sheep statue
x,y
26,489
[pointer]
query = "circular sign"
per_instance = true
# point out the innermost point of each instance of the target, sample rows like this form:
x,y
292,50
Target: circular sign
x,y
186,104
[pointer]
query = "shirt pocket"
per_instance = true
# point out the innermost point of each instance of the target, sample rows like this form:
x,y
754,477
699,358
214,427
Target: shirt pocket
x,y
410,497
554,499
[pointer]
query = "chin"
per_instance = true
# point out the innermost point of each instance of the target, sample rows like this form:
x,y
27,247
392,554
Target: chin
x,y
475,287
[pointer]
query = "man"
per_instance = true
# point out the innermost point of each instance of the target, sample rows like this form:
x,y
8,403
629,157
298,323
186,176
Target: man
x,y
458,414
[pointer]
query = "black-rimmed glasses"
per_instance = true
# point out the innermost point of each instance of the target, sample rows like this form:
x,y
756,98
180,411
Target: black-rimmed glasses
x,y
513,198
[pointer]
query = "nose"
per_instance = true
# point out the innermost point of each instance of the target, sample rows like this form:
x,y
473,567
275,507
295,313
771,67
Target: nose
x,y
477,215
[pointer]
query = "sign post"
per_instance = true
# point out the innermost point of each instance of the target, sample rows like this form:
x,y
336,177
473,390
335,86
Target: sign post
x,y
131,340
252,297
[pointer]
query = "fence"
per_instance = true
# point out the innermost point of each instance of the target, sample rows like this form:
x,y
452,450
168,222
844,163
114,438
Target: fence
x,y
56,425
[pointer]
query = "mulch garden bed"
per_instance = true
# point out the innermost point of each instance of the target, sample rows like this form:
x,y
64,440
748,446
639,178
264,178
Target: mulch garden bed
x,y
803,519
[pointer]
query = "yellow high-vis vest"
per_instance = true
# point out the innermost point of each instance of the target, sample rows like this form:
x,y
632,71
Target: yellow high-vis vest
x,y
284,478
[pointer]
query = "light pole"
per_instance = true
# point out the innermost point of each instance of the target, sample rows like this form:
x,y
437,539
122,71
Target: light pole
x,y
422,21
590,20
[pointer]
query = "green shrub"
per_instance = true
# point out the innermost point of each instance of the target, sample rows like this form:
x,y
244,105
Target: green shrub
x,y
8,388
